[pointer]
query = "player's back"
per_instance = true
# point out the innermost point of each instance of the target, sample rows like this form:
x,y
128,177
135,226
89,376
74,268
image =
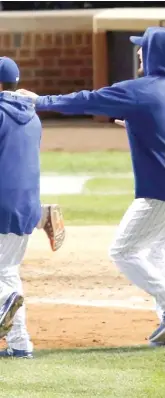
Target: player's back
x,y
20,133
146,134
146,124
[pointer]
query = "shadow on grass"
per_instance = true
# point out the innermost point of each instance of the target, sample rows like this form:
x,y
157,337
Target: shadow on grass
x,y
106,350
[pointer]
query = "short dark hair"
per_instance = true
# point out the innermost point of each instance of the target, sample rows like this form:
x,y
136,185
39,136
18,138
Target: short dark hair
x,y
9,86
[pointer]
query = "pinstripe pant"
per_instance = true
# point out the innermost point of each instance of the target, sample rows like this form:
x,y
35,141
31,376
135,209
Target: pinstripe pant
x,y
139,248
12,250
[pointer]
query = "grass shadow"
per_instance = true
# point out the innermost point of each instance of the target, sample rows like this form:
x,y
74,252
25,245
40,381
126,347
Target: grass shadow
x,y
110,350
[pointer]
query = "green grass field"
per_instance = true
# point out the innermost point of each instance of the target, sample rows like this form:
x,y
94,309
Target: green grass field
x,y
105,373
100,203
91,209
93,162
109,185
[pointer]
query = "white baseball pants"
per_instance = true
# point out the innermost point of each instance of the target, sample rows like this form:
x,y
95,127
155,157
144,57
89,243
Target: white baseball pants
x,y
139,248
12,250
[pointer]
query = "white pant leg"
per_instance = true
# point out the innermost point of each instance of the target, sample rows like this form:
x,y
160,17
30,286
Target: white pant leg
x,y
142,226
159,311
157,253
12,249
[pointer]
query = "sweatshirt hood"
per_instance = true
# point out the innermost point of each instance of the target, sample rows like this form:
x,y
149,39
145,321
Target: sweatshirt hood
x,y
153,50
18,107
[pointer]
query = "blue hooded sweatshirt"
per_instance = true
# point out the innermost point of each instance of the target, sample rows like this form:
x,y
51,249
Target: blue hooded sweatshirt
x,y
141,102
20,133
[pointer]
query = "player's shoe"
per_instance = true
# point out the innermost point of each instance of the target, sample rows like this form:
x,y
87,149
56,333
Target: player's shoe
x,y
158,336
12,353
160,344
54,226
7,312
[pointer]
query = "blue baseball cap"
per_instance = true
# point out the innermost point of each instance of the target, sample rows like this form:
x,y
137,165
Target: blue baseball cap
x,y
9,72
138,40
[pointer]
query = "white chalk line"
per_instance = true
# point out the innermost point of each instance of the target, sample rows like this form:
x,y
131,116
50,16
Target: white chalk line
x,y
126,304
75,184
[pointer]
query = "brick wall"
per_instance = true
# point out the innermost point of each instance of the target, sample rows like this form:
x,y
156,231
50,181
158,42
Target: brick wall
x,y
51,62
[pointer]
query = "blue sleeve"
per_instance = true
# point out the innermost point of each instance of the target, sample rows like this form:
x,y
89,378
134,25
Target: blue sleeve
x,y
116,101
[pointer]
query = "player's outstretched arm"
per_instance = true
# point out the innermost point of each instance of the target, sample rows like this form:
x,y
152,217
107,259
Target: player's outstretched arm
x,y
116,101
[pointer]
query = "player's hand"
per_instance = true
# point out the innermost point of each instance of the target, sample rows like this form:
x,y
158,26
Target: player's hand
x,y
27,93
120,123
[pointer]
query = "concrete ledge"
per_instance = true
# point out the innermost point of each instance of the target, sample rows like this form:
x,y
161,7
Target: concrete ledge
x,y
79,20
72,20
128,19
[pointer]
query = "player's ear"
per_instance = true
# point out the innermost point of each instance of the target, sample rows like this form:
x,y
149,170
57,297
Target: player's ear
x,y
120,122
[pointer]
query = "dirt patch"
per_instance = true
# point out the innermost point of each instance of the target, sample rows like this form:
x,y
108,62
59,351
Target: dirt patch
x,y
80,270
82,135
73,326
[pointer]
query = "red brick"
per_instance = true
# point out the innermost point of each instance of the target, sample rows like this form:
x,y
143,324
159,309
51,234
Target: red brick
x,y
52,91
84,51
68,39
79,82
31,63
48,82
88,37
26,74
6,40
70,62
48,40
27,40
25,53
48,73
66,90
89,83
38,39
78,39
47,62
88,61
70,72
69,51
7,53
29,84
58,39
24,84
86,72
48,52
65,82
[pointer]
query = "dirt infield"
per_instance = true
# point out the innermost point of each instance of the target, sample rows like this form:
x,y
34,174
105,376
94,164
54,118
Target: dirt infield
x,y
82,135
81,271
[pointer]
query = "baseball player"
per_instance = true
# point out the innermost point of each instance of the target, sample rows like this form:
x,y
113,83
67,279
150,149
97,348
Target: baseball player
x,y
20,209
138,248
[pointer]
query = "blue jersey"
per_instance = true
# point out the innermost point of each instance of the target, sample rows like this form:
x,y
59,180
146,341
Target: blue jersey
x,y
20,133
